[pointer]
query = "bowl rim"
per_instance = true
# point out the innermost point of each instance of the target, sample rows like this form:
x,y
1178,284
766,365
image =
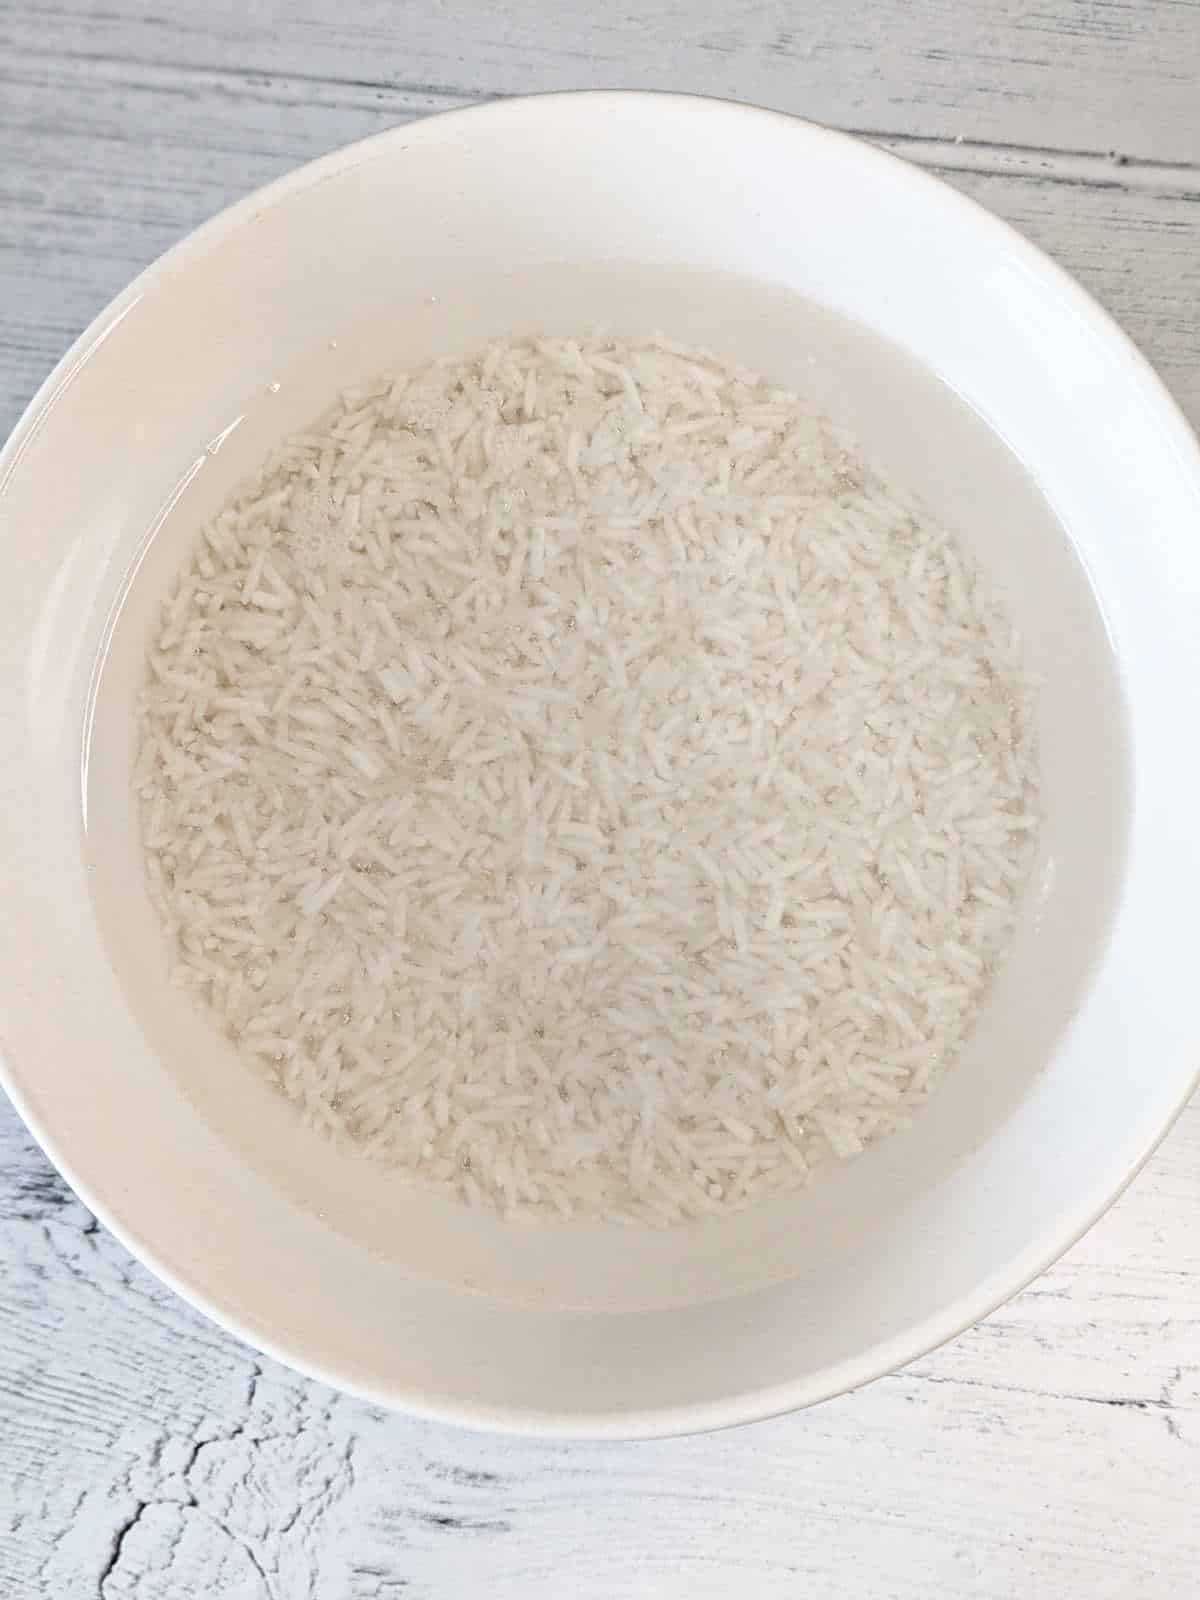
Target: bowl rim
x,y
880,1359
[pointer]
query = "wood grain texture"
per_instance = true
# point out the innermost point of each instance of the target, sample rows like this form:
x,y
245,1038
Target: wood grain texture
x,y
1095,75
1052,1451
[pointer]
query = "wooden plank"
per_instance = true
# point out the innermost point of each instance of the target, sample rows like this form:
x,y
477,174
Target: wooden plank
x,y
1093,75
1053,1450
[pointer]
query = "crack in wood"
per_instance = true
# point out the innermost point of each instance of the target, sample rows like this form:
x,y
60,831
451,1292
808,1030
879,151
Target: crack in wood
x,y
1086,169
257,77
1164,1403
118,1543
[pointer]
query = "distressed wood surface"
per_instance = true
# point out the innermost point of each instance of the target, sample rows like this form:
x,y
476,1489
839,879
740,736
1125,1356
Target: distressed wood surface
x,y
1106,75
1052,1451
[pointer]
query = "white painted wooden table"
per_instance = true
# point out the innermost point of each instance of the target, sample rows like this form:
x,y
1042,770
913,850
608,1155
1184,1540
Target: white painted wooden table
x,y
1052,1452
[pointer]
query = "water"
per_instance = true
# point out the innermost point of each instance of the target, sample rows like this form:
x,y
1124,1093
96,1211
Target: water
x,y
918,434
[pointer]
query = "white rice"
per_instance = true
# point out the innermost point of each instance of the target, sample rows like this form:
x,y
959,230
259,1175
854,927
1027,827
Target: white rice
x,y
575,780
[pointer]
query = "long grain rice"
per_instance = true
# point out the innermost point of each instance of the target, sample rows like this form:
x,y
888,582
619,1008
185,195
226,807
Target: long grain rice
x,y
578,782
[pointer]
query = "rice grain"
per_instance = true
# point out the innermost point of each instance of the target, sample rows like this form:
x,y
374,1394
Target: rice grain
x,y
577,782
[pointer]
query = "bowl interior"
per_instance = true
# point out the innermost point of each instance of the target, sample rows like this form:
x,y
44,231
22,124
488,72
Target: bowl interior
x,y
931,443
723,227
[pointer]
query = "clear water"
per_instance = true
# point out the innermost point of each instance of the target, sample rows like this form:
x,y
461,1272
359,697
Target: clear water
x,y
917,433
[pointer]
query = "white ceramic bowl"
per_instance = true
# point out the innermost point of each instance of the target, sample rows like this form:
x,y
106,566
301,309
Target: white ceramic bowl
x,y
523,212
